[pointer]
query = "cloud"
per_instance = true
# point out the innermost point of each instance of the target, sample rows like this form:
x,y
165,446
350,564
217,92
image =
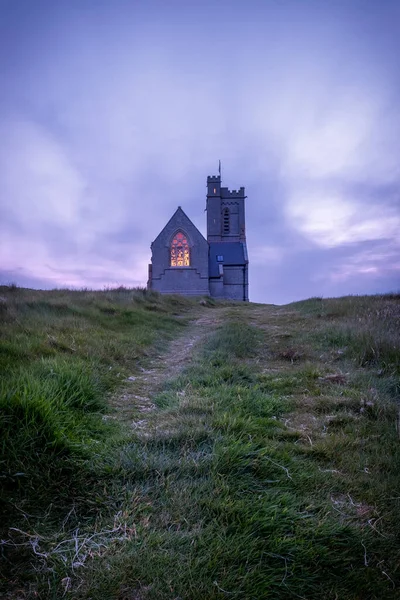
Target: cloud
x,y
51,222
351,137
39,182
114,115
333,220
71,270
374,262
267,255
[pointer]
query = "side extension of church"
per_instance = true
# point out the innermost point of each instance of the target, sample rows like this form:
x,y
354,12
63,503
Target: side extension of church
x,y
184,262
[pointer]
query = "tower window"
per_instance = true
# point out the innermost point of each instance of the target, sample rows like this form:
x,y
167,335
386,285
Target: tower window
x,y
180,254
226,221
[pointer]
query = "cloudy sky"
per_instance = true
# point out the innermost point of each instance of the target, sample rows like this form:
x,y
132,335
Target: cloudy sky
x,y
113,113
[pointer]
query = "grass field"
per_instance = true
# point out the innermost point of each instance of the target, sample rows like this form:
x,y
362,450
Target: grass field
x,y
263,464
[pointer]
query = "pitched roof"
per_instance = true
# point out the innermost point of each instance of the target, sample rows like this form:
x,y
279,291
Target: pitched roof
x,y
180,214
233,254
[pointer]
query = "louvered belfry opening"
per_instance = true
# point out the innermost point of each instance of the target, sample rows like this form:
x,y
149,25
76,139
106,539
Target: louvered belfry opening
x,y
226,221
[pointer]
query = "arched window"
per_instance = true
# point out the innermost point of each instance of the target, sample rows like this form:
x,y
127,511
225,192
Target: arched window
x,y
180,255
226,221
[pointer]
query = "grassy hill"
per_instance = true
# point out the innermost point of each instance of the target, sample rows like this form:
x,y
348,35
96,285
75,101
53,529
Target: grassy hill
x,y
160,447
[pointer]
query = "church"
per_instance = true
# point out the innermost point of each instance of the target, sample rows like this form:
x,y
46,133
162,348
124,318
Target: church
x,y
184,262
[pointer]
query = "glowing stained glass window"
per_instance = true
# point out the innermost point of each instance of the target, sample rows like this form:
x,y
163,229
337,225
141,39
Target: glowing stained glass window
x,y
180,255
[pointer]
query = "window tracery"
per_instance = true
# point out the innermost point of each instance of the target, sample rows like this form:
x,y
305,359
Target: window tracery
x,y
180,253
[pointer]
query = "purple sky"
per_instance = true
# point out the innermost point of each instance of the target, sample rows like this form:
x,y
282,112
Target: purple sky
x,y
113,113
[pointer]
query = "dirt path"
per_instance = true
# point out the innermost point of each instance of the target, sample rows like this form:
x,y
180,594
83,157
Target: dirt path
x,y
135,401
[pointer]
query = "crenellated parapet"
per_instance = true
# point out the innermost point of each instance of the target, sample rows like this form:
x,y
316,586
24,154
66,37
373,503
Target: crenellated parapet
x,y
227,193
225,212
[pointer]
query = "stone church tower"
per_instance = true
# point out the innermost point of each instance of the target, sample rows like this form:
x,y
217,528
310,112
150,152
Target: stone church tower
x,y
183,262
226,236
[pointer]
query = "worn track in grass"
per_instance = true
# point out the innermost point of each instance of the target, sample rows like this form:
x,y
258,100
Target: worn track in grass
x,y
135,401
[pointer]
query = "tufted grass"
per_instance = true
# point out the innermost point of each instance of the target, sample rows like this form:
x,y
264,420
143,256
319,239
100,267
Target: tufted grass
x,y
270,468
61,354
264,477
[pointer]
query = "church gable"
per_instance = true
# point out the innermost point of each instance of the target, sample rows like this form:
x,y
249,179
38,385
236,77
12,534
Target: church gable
x,y
179,222
179,258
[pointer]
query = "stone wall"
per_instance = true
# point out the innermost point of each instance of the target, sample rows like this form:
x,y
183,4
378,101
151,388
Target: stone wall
x,y
181,280
192,280
235,280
